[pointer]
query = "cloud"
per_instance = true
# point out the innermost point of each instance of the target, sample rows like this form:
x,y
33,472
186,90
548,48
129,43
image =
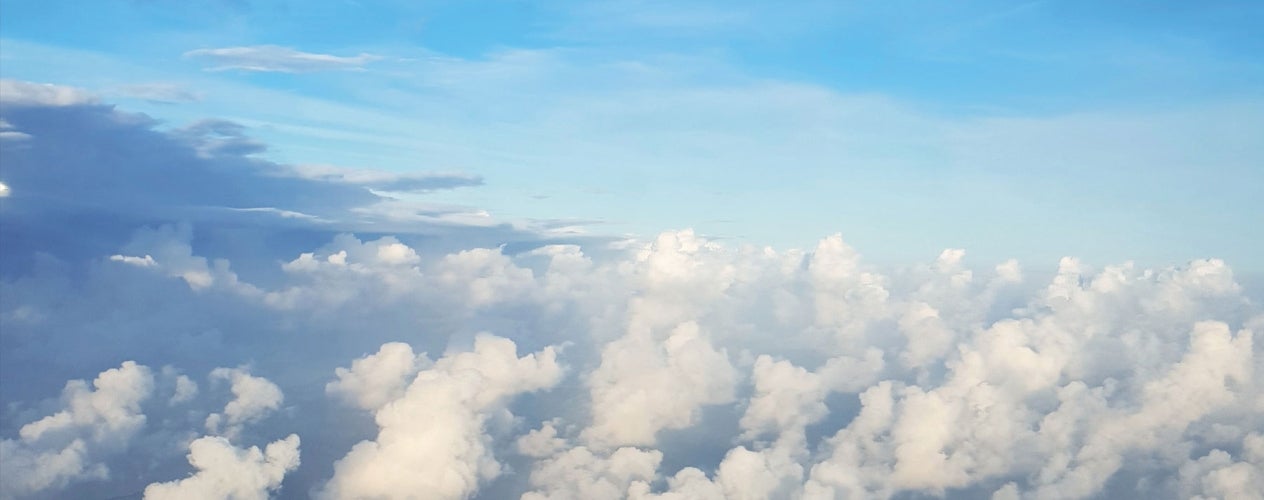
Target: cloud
x,y
22,93
71,444
677,366
377,379
225,471
185,390
9,133
182,172
166,93
645,385
386,181
1218,475
692,370
432,438
272,58
80,160
578,473
254,398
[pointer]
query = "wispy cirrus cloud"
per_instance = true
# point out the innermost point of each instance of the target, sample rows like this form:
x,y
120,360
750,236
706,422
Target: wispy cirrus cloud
x,y
274,58
164,93
382,180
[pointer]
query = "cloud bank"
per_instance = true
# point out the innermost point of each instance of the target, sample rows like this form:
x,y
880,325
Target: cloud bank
x,y
766,374
341,359
79,176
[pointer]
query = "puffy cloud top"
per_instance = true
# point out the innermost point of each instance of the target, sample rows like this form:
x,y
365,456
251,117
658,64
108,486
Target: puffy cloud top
x,y
225,471
431,440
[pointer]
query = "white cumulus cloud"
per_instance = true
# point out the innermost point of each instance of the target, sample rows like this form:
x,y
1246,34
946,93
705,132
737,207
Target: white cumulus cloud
x,y
226,471
71,444
253,399
431,439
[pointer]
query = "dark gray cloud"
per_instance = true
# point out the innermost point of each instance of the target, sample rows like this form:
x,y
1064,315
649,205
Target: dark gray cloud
x,y
81,176
96,158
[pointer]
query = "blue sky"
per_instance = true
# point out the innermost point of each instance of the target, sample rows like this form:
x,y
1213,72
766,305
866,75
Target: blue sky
x,y
1032,130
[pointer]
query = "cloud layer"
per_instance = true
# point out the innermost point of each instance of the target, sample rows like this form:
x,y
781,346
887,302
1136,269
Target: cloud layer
x,y
675,368
345,357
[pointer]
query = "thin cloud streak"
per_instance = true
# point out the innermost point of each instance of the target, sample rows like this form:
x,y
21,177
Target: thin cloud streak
x,y
273,58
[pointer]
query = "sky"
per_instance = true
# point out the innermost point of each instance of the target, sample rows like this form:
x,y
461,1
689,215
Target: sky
x,y
631,249
1101,130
